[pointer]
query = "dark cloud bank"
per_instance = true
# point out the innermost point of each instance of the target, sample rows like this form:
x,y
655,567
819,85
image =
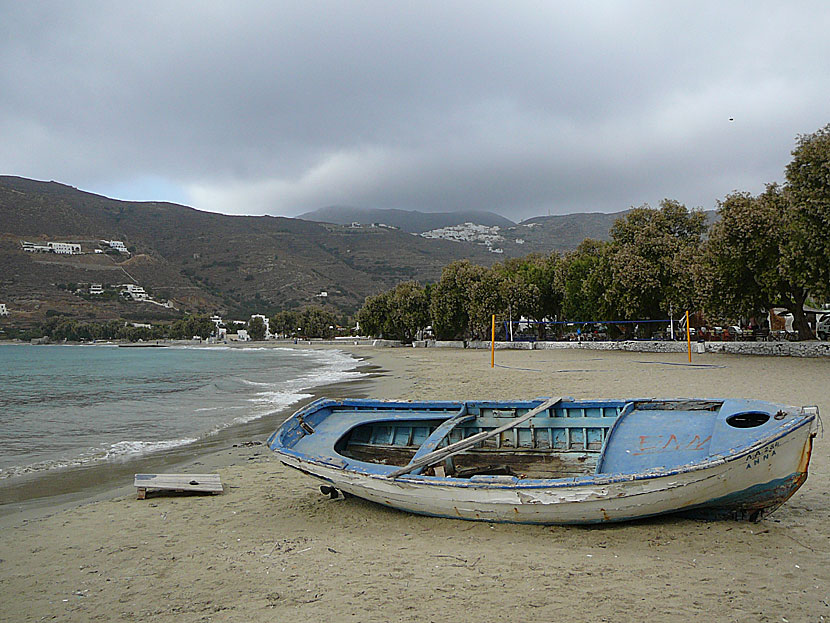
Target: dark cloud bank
x,y
517,108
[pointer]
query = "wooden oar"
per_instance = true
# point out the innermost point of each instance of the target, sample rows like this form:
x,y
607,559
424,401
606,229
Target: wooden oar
x,y
469,442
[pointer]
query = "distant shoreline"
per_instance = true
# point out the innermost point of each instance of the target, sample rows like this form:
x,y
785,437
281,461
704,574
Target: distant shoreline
x,y
812,348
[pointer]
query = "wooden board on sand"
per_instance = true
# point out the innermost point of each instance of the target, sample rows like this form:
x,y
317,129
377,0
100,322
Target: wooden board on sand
x,y
203,483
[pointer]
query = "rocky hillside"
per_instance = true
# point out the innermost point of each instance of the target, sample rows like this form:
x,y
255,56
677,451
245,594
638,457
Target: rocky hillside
x,y
199,261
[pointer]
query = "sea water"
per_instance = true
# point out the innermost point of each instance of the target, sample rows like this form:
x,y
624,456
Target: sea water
x,y
68,406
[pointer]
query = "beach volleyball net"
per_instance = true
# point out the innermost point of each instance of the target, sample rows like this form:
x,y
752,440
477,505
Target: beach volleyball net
x,y
589,330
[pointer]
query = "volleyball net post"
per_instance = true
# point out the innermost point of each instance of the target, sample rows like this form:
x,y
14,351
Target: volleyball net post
x,y
688,336
493,343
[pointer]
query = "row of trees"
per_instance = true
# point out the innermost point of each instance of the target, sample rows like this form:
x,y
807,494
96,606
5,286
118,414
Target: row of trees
x,y
770,250
312,322
60,329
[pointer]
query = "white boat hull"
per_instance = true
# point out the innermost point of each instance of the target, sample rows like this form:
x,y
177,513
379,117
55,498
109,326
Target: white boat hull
x,y
745,485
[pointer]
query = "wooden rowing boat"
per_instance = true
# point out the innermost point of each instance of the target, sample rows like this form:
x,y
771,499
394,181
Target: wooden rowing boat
x,y
555,461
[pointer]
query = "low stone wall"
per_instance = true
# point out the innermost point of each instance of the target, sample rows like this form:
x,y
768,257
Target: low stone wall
x,y
780,349
501,345
387,343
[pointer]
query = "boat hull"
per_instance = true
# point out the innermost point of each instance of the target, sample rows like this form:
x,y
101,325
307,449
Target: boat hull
x,y
746,485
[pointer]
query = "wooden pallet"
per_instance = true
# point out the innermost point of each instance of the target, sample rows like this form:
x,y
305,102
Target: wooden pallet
x,y
203,483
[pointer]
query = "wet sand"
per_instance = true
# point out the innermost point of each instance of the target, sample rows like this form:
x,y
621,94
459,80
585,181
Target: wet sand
x,y
271,548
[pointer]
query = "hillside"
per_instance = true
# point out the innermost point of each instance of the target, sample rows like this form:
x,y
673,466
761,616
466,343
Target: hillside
x,y
200,261
237,265
410,221
565,232
541,234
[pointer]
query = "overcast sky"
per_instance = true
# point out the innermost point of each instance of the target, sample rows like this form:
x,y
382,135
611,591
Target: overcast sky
x,y
521,108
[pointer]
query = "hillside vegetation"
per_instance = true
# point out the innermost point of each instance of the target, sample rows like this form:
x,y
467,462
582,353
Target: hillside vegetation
x,y
200,261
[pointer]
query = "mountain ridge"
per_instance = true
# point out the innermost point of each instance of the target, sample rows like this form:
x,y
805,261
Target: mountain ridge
x,y
201,261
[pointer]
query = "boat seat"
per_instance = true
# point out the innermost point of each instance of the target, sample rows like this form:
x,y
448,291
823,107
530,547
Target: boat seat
x,y
440,434
672,438
328,432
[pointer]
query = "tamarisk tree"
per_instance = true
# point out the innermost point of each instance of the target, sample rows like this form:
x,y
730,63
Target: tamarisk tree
x,y
773,250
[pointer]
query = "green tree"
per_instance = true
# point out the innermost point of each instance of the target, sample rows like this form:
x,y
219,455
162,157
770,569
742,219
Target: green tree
x,y
542,272
374,314
110,330
485,297
528,287
285,323
448,307
517,296
652,259
397,314
65,330
317,322
408,310
773,250
256,328
584,276
750,258
807,192
189,326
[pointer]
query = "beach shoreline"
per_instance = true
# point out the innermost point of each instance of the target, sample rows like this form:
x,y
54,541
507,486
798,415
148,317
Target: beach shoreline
x,y
43,492
272,547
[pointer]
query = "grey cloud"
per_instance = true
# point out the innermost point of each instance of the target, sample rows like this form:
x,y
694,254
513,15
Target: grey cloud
x,y
519,108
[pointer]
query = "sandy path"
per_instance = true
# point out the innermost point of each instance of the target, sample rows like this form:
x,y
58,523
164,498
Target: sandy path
x,y
273,549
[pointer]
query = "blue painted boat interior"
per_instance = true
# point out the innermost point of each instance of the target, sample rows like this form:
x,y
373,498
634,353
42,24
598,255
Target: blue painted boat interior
x,y
575,438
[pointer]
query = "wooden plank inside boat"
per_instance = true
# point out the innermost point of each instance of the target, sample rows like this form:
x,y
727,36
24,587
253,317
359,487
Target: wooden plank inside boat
x,y
519,462
459,446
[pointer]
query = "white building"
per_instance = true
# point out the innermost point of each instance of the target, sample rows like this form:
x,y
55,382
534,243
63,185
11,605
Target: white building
x,y
242,336
117,245
470,232
96,288
32,247
64,248
137,293
4,311
221,330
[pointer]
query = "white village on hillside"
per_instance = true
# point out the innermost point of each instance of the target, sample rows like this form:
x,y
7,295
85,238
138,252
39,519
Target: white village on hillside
x,y
490,237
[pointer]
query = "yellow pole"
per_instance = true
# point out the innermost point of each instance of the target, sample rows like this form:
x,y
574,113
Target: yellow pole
x,y
688,336
493,344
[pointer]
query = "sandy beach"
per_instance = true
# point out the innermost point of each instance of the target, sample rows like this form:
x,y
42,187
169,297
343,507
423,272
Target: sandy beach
x,y
272,548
